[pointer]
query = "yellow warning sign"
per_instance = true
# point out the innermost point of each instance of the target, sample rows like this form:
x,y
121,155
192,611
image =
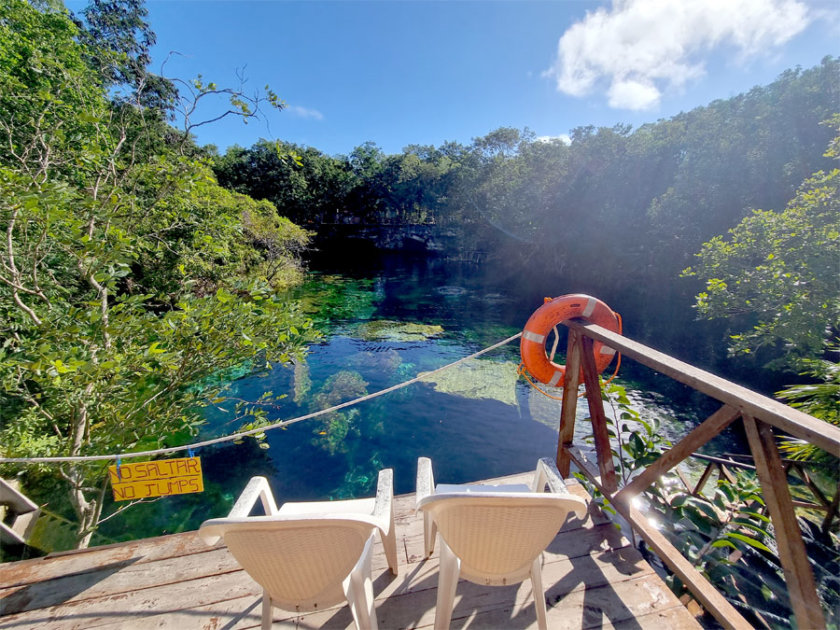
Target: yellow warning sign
x,y
160,478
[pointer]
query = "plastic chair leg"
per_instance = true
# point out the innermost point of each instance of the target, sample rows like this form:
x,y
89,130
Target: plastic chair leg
x,y
266,611
390,544
358,588
448,571
539,593
429,533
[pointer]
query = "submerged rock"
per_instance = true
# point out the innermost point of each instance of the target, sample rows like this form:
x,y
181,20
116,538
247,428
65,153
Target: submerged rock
x,y
388,330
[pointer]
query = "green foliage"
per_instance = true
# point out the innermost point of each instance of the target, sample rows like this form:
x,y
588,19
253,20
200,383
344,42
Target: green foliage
x,y
618,209
820,399
130,281
50,110
117,42
780,269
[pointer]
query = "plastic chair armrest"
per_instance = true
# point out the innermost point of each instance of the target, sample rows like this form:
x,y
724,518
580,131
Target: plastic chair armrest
x,y
383,505
257,488
425,479
383,514
547,473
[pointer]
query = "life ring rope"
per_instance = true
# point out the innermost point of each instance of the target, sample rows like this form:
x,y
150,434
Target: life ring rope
x,y
523,371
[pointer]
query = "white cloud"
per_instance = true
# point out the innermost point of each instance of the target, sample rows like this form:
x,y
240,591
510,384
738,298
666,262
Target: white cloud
x,y
641,47
304,112
632,94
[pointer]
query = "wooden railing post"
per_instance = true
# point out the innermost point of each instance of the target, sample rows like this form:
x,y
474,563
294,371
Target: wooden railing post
x,y
798,574
568,411
599,418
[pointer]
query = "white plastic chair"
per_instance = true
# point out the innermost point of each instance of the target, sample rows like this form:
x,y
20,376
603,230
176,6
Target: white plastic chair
x,y
492,535
310,556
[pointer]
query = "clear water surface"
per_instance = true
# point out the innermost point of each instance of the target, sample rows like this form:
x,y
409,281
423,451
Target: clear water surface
x,y
385,320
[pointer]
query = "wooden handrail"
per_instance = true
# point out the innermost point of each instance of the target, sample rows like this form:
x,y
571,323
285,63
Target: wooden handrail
x,y
788,419
759,415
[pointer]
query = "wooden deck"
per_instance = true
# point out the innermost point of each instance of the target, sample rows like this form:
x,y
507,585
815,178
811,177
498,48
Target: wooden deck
x,y
594,578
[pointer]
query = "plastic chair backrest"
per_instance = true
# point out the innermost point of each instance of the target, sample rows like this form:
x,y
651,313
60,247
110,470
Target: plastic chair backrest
x,y
300,562
497,536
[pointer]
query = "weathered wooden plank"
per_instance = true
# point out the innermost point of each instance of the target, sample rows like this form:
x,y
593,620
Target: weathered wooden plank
x,y
568,409
180,600
204,589
598,417
711,599
698,436
674,618
788,419
121,577
513,606
134,605
78,562
573,575
136,552
603,540
126,576
798,574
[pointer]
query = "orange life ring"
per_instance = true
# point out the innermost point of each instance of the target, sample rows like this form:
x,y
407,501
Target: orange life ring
x,y
546,317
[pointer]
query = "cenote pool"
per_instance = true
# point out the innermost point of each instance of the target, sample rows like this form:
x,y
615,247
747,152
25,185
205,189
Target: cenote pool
x,y
385,322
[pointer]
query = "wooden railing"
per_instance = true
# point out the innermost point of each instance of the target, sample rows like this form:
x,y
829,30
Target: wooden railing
x,y
759,414
795,469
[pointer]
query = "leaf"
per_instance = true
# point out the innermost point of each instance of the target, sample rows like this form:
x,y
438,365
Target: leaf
x,y
752,542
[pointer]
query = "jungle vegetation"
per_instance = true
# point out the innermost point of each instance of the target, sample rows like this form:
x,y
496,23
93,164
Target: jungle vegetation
x,y
128,276
136,266
639,216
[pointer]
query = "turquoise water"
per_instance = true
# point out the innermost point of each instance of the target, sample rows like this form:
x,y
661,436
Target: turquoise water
x,y
476,420
384,322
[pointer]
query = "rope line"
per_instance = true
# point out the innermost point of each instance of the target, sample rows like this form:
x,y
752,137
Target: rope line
x,y
236,436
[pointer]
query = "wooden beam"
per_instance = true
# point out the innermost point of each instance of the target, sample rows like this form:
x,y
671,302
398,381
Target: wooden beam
x,y
792,553
699,436
699,586
788,419
568,411
704,479
597,415
832,510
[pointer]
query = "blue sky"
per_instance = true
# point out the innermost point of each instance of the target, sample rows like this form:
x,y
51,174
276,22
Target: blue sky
x,y
400,72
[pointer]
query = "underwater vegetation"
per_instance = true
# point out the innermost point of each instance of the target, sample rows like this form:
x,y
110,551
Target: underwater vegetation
x,y
478,378
388,330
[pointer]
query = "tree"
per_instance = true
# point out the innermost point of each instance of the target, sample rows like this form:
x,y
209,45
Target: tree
x,y
779,272
118,41
130,281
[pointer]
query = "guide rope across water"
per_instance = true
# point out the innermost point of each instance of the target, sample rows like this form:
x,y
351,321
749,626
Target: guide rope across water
x,y
237,436
534,359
